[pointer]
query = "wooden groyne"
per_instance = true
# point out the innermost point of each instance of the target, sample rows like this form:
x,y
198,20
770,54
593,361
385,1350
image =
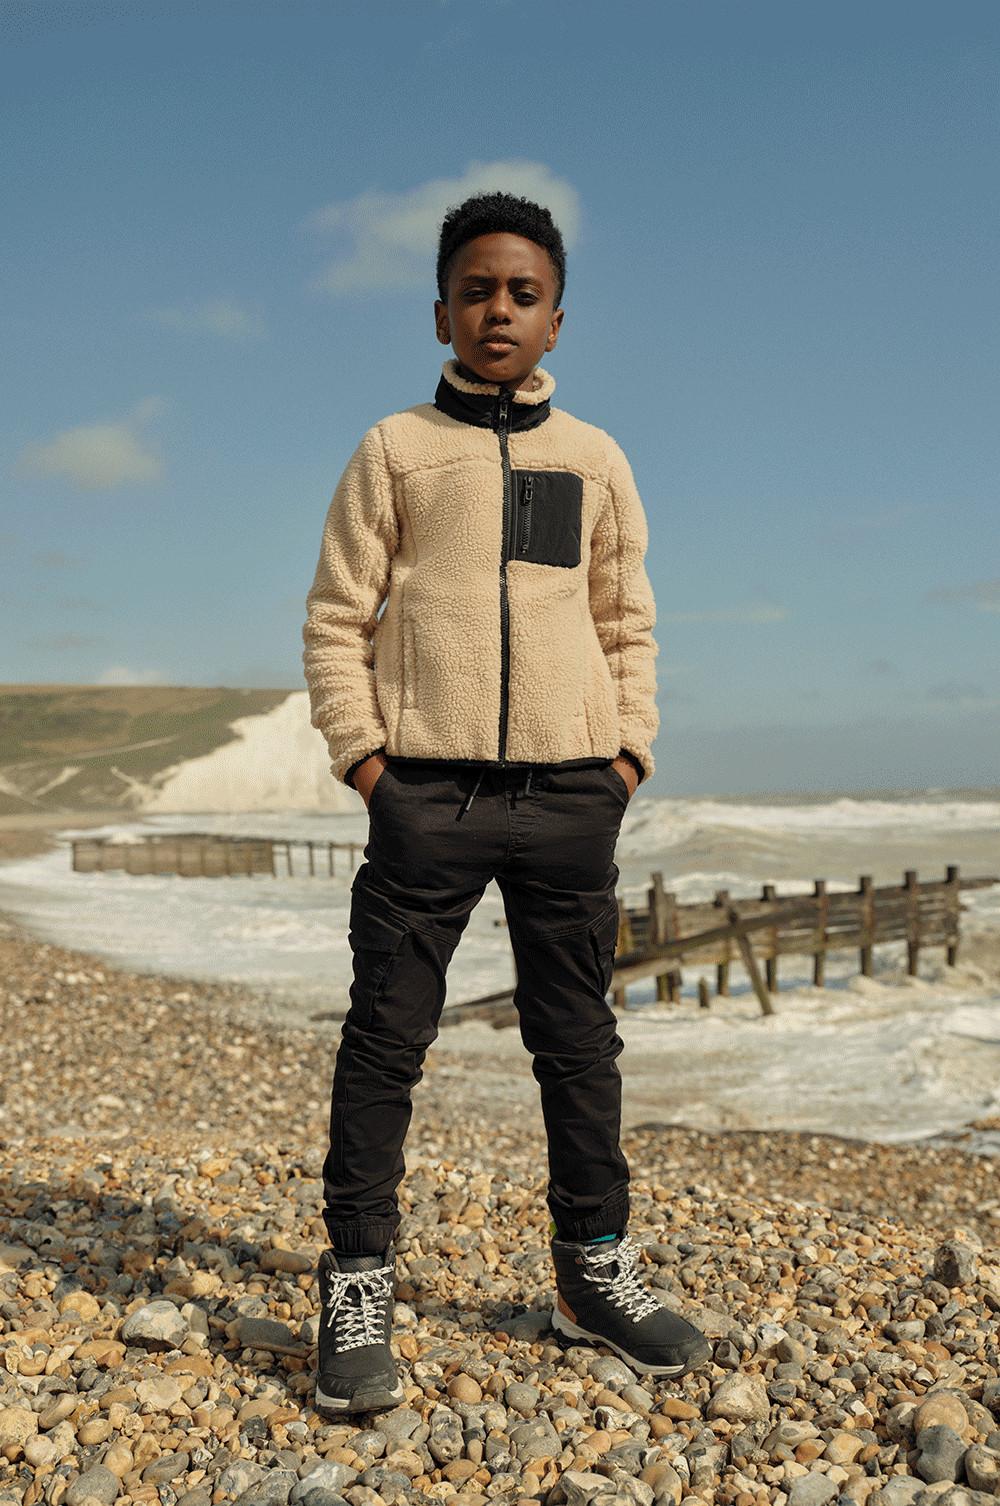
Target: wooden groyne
x,y
199,854
658,938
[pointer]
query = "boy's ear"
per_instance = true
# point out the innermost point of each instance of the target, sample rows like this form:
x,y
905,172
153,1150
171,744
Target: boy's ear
x,y
555,324
442,327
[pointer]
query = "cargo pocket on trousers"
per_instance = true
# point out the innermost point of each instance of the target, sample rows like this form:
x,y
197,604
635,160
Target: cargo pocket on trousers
x,y
375,941
604,940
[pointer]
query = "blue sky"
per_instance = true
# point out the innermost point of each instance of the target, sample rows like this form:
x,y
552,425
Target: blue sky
x,y
781,300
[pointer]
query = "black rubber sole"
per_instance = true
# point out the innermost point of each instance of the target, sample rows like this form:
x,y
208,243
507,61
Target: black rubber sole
x,y
367,1398
570,1330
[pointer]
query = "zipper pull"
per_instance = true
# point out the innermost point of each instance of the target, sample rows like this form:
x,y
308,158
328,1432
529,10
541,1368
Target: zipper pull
x,y
529,482
504,400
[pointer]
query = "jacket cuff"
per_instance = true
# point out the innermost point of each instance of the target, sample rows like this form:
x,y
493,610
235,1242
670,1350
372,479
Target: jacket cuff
x,y
635,762
349,773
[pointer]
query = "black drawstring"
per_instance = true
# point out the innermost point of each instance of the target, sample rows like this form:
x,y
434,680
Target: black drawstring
x,y
475,790
472,796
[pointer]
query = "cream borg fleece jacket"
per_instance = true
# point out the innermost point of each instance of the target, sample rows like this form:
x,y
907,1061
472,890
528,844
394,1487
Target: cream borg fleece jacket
x,y
509,540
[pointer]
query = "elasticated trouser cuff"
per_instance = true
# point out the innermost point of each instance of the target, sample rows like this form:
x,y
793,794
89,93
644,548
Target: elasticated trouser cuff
x,y
362,1237
610,1220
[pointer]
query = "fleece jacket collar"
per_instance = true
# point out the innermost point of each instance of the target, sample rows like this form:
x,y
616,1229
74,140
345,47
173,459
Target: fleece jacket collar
x,y
477,402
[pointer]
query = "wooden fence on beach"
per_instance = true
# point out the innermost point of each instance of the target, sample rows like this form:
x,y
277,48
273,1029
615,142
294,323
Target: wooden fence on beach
x,y
199,854
655,940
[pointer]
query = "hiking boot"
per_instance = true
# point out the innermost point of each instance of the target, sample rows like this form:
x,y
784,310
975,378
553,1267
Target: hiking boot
x,y
356,1371
600,1297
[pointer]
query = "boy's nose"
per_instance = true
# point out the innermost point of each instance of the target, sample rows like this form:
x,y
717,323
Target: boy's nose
x,y
499,309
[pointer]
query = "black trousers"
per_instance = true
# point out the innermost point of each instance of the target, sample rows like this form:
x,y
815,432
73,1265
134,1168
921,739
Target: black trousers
x,y
549,841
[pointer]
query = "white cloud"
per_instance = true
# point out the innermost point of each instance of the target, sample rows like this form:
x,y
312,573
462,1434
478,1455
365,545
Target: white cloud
x,y
984,594
753,614
212,316
391,238
98,456
120,674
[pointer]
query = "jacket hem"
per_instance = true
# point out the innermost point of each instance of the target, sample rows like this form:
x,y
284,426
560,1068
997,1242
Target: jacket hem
x,y
590,761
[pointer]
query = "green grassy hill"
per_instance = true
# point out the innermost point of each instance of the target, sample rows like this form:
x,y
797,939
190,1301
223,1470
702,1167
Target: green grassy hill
x,y
81,747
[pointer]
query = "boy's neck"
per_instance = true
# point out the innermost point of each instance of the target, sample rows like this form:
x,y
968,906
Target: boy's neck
x,y
528,385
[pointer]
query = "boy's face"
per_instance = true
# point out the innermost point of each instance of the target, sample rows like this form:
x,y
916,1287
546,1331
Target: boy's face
x,y
501,289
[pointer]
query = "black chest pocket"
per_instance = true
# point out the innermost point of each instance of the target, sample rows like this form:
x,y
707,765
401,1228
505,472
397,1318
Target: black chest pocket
x,y
548,517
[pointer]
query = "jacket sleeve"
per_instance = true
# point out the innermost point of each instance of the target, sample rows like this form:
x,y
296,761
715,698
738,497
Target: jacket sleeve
x,y
624,609
360,537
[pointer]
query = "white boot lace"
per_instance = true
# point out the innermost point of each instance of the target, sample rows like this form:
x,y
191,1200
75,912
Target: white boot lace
x,y
624,1289
359,1321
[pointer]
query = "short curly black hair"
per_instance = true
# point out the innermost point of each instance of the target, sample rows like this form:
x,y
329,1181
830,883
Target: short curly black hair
x,y
489,213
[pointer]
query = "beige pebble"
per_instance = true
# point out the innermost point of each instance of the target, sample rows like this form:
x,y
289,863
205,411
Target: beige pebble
x,y
97,1430
680,1411
406,1461
463,1388
843,1447
942,1409
59,1410
83,1304
118,1458
17,1425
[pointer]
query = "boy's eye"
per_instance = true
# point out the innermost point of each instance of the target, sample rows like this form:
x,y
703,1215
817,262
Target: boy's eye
x,y
522,297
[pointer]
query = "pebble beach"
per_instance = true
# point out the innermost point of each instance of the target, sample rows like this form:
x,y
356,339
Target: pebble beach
x,y
160,1222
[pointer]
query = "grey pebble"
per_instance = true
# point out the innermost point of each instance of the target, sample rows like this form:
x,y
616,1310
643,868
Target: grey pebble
x,y
400,1425
264,1333
900,1490
521,1398
328,1474
955,1263
608,1371
166,1468
814,1489
939,1451
273,1490
445,1441
96,1483
238,1477
535,1440
156,1325
982,1469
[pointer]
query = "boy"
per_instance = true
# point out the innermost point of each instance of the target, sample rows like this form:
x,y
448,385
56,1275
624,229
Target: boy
x,y
496,720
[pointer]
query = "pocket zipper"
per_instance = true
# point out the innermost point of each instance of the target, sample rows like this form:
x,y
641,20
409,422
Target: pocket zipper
x,y
526,498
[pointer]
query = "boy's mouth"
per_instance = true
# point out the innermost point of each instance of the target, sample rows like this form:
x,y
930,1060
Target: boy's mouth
x,y
497,345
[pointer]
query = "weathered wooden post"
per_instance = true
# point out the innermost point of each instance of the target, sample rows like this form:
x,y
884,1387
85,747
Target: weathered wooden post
x,y
722,968
618,996
912,891
704,998
659,923
822,920
866,908
750,962
771,962
954,908
331,848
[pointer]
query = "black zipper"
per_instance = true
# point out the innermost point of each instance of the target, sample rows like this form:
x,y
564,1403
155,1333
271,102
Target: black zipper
x,y
503,422
525,510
